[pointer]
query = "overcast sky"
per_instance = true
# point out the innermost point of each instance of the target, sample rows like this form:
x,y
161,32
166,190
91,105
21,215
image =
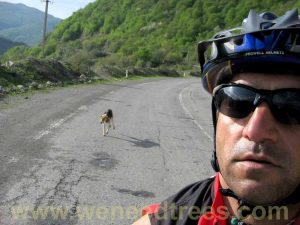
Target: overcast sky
x,y
58,8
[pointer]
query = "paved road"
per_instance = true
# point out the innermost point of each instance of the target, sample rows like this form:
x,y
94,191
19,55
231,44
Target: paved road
x,y
57,168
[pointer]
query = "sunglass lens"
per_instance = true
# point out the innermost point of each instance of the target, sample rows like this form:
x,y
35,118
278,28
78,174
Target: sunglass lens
x,y
234,101
287,107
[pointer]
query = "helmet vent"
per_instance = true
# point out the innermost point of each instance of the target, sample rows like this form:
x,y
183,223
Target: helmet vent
x,y
268,16
266,25
238,41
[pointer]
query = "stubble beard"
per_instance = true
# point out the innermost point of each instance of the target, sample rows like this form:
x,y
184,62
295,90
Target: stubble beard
x,y
255,186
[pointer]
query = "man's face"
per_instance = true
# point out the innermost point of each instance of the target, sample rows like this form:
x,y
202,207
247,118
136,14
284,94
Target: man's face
x,y
259,157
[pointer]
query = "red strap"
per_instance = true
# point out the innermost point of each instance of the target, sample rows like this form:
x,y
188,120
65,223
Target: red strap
x,y
217,214
150,209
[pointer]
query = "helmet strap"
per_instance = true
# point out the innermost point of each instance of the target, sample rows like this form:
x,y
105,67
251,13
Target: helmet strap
x,y
214,161
246,208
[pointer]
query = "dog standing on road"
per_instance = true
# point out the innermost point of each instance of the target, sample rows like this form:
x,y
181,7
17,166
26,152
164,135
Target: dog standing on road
x,y
107,119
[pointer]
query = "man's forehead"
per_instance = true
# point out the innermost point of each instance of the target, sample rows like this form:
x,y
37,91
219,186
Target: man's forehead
x,y
268,81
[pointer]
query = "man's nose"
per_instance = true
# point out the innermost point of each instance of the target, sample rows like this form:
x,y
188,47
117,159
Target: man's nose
x,y
261,125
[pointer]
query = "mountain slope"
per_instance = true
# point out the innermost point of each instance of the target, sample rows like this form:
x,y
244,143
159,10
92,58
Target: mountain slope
x,y
6,44
144,33
21,23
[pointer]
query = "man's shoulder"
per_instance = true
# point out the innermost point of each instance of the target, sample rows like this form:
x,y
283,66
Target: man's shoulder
x,y
198,193
185,207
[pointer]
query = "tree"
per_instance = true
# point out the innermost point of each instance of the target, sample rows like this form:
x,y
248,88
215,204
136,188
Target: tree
x,y
81,61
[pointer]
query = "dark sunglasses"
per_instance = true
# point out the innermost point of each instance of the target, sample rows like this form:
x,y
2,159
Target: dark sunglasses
x,y
238,101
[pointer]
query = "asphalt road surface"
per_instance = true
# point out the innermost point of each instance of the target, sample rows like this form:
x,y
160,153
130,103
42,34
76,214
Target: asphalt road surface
x,y
57,168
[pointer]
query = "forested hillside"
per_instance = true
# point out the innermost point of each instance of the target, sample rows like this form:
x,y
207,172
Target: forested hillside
x,y
143,33
6,44
20,23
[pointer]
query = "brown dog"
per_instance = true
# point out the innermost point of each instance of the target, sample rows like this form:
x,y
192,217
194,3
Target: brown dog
x,y
107,118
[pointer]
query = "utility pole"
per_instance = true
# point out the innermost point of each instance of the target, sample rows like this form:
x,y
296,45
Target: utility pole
x,y
45,25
